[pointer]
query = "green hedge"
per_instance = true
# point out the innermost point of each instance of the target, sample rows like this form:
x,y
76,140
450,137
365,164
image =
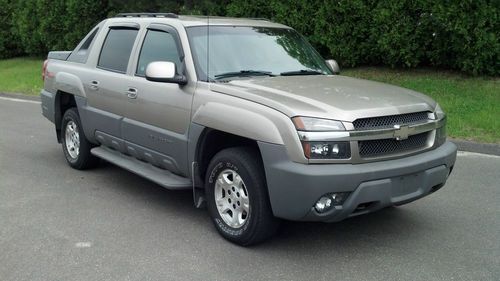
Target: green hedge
x,y
462,35
44,25
9,40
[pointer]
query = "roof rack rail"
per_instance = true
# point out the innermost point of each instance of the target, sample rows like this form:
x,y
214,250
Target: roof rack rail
x,y
266,19
147,15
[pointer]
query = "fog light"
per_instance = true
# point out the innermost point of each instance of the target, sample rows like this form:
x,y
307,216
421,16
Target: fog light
x,y
328,201
324,204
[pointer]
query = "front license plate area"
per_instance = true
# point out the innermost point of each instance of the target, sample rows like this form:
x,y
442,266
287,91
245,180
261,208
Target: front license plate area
x,y
407,184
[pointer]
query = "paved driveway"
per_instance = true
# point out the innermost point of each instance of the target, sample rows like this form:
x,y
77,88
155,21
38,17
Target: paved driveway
x,y
57,223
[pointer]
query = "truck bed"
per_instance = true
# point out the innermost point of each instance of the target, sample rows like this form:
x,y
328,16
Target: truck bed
x,y
59,55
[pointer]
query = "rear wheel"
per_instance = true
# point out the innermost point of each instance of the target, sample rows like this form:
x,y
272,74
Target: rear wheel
x,y
237,197
75,146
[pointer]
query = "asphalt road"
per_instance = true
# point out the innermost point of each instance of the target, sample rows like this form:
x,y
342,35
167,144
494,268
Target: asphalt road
x,y
57,223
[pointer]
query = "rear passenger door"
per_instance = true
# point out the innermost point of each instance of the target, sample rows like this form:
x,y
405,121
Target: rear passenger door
x,y
107,87
156,122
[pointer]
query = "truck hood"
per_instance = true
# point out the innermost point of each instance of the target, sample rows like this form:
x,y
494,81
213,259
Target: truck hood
x,y
327,96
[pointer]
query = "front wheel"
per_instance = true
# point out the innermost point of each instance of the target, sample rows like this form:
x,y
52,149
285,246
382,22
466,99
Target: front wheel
x,y
237,197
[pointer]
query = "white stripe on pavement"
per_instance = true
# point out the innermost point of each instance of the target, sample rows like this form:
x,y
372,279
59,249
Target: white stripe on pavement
x,y
19,100
474,154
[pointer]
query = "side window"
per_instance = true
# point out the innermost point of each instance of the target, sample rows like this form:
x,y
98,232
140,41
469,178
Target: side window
x,y
86,44
157,46
81,52
116,50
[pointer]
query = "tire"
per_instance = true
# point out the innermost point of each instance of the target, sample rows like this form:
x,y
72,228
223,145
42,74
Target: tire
x,y
246,200
75,145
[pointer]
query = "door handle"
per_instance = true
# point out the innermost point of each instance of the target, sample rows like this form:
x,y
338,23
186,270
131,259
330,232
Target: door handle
x,y
131,93
94,85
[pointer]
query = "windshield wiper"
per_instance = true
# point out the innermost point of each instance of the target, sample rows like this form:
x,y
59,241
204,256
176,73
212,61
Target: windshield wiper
x,y
244,73
302,72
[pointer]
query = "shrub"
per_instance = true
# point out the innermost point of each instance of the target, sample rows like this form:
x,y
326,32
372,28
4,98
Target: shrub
x,y
9,40
462,35
45,25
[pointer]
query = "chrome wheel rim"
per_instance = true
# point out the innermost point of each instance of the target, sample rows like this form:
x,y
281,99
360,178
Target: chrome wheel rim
x,y
72,139
231,198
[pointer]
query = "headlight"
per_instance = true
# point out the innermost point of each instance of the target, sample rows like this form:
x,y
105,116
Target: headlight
x,y
326,150
438,112
440,132
322,149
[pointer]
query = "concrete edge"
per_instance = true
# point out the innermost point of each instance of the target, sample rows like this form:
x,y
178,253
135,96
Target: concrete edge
x,y
20,96
483,148
463,145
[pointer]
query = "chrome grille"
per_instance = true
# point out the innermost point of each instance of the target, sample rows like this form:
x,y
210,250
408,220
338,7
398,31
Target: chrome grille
x,y
383,122
374,148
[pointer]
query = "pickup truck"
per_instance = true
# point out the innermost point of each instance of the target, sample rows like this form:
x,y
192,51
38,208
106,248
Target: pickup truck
x,y
246,115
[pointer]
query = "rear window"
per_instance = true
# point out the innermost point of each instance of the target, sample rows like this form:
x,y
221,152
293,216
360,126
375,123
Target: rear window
x,y
116,49
81,52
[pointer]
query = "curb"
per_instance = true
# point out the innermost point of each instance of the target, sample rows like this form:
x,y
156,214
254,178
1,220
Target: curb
x,y
20,96
483,148
463,145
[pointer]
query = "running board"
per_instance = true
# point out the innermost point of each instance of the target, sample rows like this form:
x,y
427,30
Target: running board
x,y
146,170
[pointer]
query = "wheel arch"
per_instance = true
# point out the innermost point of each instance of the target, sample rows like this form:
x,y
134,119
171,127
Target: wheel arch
x,y
69,83
227,122
62,102
209,143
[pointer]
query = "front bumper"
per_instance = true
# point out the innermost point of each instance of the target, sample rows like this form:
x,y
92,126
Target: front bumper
x,y
294,188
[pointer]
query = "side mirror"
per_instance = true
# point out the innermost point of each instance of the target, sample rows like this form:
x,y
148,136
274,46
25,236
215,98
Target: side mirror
x,y
333,65
164,71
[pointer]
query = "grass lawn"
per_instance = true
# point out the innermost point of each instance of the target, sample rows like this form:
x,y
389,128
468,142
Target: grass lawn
x,y
472,103
21,75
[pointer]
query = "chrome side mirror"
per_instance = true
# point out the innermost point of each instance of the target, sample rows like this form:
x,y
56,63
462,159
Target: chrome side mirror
x,y
164,71
333,65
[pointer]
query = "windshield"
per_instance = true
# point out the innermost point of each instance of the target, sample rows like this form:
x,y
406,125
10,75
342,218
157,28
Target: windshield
x,y
238,51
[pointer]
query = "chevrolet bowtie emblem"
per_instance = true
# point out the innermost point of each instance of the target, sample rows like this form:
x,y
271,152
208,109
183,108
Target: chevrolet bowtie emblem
x,y
401,132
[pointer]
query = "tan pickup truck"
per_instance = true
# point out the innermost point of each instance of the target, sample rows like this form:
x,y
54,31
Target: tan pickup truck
x,y
247,115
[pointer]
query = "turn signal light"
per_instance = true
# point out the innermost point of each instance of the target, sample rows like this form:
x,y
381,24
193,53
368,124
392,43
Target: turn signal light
x,y
44,69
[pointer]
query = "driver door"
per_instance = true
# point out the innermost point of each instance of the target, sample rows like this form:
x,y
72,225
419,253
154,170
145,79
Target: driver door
x,y
157,118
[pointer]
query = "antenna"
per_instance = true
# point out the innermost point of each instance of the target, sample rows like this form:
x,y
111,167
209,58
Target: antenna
x,y
208,50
